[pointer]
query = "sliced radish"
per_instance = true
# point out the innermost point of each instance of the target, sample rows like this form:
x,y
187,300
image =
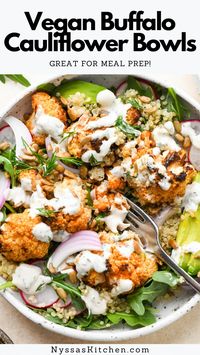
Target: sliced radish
x,y
64,304
194,157
121,88
4,188
84,240
43,299
195,124
7,135
21,133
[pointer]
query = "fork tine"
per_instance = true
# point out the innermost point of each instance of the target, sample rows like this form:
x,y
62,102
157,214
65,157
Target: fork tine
x,y
140,214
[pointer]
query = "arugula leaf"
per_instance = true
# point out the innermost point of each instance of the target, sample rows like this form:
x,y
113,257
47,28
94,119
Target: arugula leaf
x,y
147,293
18,78
71,160
130,131
99,323
143,89
134,103
8,168
73,291
132,319
166,277
47,87
175,104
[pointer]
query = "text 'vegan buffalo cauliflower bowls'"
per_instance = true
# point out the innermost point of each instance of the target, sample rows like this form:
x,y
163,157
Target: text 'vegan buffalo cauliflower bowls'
x,y
70,259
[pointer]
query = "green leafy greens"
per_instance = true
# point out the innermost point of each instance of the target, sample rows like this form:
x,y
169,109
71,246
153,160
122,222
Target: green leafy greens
x,y
143,88
18,78
130,131
175,104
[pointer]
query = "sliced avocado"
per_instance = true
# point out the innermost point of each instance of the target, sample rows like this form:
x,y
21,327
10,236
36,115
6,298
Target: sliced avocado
x,y
72,87
188,232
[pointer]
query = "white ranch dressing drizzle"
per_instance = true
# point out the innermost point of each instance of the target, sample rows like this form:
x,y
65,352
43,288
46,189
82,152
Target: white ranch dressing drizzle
x,y
94,302
191,199
87,261
126,249
113,106
111,135
18,196
164,140
29,278
42,232
116,219
187,130
123,286
46,124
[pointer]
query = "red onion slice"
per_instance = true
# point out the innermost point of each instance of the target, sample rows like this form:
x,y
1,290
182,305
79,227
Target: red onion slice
x,y
4,188
43,299
48,144
7,135
84,240
21,133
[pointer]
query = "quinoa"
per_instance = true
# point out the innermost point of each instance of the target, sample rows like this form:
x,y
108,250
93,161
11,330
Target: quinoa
x,y
7,268
168,232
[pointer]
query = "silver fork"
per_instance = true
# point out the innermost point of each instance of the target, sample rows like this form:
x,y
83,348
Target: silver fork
x,y
148,231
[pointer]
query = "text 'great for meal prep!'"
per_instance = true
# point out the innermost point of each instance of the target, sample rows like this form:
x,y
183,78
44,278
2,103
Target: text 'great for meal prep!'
x,y
64,34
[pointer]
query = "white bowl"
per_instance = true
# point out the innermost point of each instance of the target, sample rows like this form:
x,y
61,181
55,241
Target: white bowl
x,y
167,310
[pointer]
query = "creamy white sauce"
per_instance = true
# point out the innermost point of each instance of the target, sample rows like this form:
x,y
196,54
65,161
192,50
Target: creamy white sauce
x,y
116,219
164,140
118,171
187,130
193,247
64,200
191,199
123,286
114,108
26,184
169,127
94,302
111,135
60,236
126,249
46,124
156,151
87,261
18,196
42,232
29,278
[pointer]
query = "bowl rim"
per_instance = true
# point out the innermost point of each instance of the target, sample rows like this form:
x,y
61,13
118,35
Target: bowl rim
x,y
96,335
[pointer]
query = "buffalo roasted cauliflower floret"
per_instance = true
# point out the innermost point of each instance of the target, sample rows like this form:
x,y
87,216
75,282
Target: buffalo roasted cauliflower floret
x,y
17,242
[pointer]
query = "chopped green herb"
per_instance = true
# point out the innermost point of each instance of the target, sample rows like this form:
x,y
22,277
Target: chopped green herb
x,y
100,216
134,103
9,207
67,135
18,78
130,131
71,161
93,161
46,213
88,197
175,104
8,168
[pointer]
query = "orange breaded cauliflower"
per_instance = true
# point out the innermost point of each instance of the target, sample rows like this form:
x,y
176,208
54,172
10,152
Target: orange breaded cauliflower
x,y
51,106
17,242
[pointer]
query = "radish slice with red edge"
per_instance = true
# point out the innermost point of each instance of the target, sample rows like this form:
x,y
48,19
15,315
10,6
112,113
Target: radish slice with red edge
x,y
84,240
4,188
64,304
42,299
121,88
49,145
194,157
21,133
7,135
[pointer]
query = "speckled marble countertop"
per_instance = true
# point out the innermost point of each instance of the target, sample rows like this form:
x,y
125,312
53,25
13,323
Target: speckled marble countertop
x,y
23,331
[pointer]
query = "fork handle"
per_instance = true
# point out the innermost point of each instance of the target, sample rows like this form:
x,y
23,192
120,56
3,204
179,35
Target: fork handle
x,y
189,279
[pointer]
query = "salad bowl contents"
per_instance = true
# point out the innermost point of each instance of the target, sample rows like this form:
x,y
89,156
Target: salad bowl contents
x,y
67,166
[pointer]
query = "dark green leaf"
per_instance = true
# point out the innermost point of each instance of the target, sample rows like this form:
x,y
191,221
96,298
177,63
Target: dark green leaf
x,y
19,78
143,89
132,319
93,161
147,293
8,168
48,87
100,216
130,131
73,292
9,207
71,161
166,277
2,78
134,103
175,104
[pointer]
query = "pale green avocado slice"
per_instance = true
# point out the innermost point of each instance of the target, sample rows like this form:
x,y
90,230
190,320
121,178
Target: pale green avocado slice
x,y
72,87
189,231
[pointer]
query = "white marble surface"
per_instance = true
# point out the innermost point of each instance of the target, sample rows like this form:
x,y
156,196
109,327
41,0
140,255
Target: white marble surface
x,y
21,330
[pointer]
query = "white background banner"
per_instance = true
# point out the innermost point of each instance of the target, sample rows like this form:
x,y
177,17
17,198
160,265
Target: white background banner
x,y
185,14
